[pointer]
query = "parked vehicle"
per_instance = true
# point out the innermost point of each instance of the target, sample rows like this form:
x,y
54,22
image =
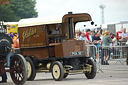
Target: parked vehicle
x,y
11,27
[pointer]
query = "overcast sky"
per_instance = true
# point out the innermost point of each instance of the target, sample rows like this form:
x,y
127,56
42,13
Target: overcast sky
x,y
115,10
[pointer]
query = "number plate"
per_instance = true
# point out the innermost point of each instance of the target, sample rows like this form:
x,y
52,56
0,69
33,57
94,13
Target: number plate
x,y
77,53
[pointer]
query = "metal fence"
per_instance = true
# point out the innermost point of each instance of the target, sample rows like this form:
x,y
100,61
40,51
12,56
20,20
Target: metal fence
x,y
109,57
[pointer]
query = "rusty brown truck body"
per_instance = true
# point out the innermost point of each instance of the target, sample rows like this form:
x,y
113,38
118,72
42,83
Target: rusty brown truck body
x,y
43,54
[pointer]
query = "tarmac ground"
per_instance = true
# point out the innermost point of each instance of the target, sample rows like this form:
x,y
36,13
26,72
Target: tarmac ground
x,y
106,78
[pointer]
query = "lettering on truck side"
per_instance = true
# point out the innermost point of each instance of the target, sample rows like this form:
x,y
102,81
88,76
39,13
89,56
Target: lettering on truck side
x,y
28,33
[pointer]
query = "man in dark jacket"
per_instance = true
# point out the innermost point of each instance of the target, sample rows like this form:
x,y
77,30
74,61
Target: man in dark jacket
x,y
96,38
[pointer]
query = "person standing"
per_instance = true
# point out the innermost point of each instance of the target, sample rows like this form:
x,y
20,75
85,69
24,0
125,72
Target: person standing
x,y
57,33
87,42
10,53
96,40
14,45
78,34
105,48
124,35
8,28
87,34
4,77
82,37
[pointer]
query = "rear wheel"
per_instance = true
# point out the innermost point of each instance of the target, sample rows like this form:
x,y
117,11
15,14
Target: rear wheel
x,y
92,73
57,71
18,69
31,69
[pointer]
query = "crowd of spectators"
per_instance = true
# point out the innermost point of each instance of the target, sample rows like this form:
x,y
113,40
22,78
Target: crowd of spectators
x,y
104,40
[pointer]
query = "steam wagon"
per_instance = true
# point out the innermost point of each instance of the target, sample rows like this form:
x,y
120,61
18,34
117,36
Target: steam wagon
x,y
37,45
18,66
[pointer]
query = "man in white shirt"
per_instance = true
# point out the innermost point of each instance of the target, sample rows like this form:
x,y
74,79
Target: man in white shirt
x,y
82,37
124,35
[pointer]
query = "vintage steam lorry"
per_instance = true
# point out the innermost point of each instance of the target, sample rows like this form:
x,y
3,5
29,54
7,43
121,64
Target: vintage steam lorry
x,y
43,55
18,66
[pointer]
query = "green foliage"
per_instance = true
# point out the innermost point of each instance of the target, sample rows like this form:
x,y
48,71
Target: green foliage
x,y
19,9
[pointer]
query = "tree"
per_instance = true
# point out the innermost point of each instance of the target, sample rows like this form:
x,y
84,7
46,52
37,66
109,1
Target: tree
x,y
18,9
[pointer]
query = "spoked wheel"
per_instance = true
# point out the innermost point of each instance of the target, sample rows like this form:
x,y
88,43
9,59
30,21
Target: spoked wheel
x,y
57,71
31,69
18,69
92,73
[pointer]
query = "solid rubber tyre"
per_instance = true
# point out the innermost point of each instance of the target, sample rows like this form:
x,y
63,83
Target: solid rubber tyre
x,y
92,74
57,71
31,69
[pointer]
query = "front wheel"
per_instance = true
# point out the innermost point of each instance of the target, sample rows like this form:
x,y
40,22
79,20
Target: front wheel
x,y
92,74
57,71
